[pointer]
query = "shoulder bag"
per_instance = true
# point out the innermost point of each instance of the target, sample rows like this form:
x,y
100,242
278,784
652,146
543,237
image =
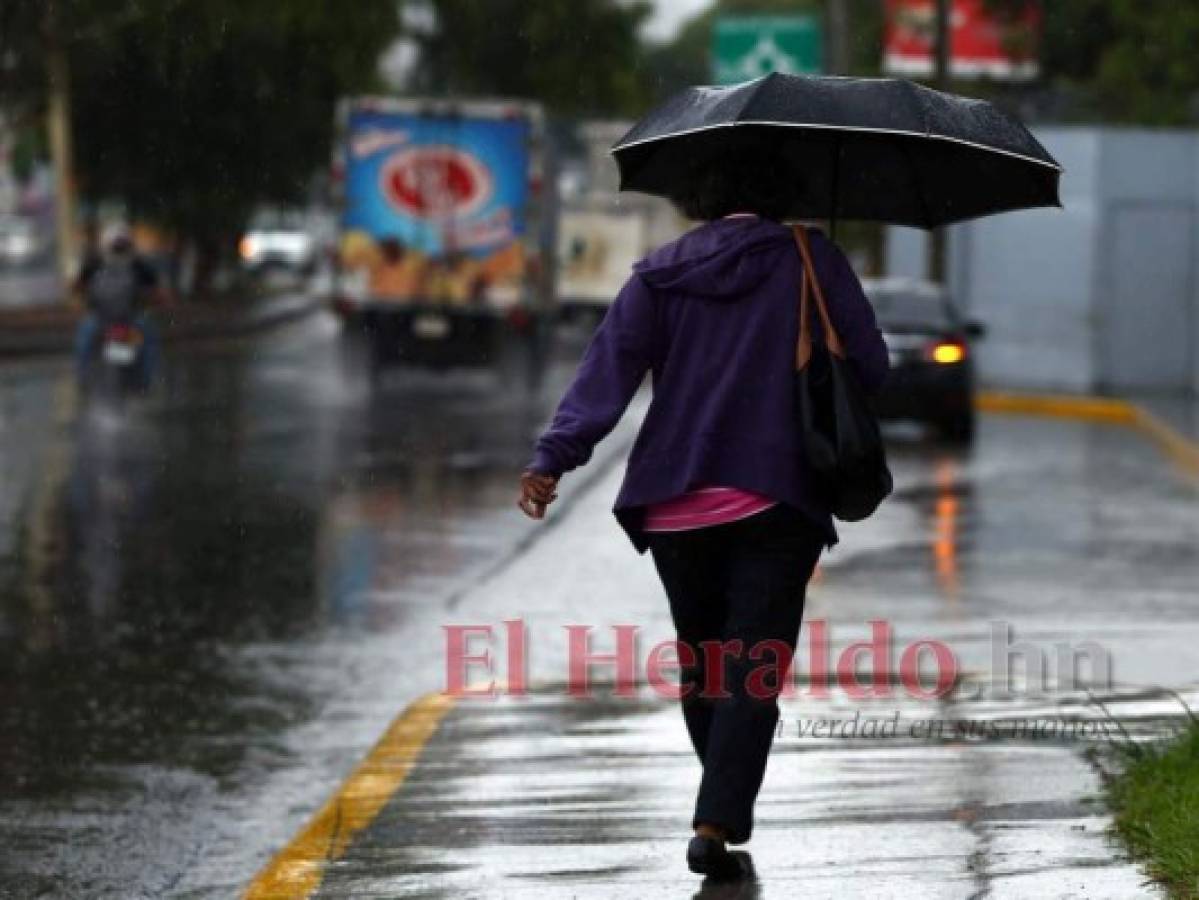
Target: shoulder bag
x,y
839,432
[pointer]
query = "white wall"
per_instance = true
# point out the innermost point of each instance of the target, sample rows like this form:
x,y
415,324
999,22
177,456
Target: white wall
x,y
1043,281
1030,276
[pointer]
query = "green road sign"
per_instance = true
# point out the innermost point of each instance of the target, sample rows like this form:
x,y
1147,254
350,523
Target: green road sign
x,y
745,47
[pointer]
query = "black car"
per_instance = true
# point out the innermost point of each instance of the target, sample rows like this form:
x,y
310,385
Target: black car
x,y
932,365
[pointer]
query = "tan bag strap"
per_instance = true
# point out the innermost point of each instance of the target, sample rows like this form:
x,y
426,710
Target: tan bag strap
x,y
810,284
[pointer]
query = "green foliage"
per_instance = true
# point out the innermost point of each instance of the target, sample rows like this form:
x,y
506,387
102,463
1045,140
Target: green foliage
x,y
576,56
1121,61
28,149
1151,74
1156,804
193,113
22,74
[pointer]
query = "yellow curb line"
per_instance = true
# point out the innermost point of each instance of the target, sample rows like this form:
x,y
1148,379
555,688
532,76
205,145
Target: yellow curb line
x,y
1096,409
297,870
1179,448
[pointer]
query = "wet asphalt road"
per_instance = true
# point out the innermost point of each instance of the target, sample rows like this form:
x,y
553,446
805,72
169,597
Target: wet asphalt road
x,y
186,587
213,605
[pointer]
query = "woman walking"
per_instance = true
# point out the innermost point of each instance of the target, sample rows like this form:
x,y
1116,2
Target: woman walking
x,y
716,486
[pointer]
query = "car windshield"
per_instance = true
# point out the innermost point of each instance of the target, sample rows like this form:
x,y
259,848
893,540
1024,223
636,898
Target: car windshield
x,y
912,310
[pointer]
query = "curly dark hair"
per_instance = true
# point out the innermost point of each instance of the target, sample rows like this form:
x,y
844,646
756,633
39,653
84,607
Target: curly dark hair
x,y
746,172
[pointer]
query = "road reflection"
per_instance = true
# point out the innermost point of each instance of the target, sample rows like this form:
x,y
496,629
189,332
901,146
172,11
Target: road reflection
x,y
170,572
945,504
946,524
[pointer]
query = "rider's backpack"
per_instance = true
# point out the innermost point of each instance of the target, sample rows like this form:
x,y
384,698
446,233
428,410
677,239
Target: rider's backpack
x,y
112,289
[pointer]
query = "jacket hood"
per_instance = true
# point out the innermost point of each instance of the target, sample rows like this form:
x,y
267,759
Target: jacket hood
x,y
726,258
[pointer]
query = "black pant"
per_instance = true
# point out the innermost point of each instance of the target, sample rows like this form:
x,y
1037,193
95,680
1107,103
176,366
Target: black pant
x,y
743,581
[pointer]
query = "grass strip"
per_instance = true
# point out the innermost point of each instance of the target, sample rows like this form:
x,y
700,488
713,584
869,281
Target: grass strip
x,y
1155,800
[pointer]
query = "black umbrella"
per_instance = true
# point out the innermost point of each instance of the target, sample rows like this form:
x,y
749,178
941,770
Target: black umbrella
x,y
881,149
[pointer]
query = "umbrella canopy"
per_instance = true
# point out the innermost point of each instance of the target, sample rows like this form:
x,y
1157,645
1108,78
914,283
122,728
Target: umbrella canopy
x,y
880,149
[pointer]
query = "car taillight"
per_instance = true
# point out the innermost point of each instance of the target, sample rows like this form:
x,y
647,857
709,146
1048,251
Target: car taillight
x,y
945,352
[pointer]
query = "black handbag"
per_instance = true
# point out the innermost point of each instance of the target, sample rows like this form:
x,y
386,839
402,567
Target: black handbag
x,y
839,432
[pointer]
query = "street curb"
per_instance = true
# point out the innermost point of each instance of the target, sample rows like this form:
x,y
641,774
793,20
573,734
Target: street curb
x,y
297,870
1183,451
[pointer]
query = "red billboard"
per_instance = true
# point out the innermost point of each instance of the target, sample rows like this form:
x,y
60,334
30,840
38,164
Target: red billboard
x,y
983,43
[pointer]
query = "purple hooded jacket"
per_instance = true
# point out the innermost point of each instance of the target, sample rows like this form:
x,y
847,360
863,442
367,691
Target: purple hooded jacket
x,y
714,317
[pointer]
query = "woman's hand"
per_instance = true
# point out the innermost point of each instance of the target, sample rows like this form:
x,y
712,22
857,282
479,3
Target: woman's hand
x,y
536,493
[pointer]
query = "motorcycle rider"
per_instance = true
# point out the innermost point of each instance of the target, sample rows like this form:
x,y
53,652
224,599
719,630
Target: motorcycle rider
x,y
116,286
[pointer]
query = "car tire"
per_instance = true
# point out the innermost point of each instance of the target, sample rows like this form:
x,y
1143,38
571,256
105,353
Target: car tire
x,y
960,429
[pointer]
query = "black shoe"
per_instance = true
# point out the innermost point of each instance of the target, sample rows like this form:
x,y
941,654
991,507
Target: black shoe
x,y
708,856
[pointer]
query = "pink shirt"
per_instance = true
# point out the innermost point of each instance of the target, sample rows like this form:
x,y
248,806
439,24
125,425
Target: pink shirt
x,y
705,506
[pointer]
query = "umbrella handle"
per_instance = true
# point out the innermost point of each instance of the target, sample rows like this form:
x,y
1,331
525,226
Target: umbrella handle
x,y
809,283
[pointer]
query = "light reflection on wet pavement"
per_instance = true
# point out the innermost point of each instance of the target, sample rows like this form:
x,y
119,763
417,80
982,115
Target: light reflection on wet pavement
x,y
550,797
188,584
212,607
1047,526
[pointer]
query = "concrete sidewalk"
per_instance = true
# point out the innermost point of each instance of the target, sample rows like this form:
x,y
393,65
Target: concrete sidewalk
x,y
549,796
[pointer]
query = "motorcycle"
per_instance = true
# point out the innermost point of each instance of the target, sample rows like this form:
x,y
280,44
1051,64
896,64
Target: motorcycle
x,y
118,368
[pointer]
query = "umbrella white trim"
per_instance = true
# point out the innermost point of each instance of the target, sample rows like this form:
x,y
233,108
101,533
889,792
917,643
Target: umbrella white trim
x,y
855,128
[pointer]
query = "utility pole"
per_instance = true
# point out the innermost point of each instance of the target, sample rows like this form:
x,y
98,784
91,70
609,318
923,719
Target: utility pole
x,y
941,63
942,50
58,127
838,37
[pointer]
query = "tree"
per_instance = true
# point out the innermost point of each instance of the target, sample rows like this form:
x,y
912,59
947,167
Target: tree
x,y
22,75
194,113
1118,60
579,57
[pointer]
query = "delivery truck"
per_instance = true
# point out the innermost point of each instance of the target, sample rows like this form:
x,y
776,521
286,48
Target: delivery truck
x,y
446,252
